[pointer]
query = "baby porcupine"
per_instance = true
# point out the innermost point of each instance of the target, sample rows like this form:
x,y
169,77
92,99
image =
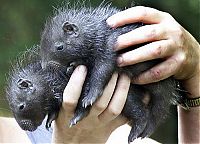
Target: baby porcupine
x,y
82,35
32,92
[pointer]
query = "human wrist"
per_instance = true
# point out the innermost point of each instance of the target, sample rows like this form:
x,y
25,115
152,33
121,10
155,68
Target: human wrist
x,y
192,85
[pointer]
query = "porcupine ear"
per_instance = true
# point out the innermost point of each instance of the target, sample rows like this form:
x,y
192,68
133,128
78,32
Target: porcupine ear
x,y
31,55
24,83
70,29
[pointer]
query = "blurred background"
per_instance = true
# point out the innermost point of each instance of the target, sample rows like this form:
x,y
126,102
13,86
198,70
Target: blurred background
x,y
21,23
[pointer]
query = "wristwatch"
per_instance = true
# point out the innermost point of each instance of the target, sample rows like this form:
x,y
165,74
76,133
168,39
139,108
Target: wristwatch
x,y
190,102
185,101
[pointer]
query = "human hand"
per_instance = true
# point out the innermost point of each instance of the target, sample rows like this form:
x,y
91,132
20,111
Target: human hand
x,y
169,41
166,39
104,115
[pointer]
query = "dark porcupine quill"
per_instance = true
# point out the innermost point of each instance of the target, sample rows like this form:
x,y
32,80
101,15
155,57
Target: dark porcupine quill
x,y
80,34
32,92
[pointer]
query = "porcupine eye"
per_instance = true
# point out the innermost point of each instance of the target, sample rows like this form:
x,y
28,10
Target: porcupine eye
x,y
70,28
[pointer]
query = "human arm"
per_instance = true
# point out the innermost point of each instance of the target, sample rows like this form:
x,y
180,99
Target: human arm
x,y
189,120
11,132
176,46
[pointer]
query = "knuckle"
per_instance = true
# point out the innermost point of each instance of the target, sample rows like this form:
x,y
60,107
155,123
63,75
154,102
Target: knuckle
x,y
178,36
151,34
157,52
181,59
173,65
143,11
99,107
114,112
69,104
180,32
180,45
155,74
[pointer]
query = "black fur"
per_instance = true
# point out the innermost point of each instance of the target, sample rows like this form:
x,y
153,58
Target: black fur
x,y
82,35
33,93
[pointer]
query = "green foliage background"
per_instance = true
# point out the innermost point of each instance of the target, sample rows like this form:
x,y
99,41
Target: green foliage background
x,y
21,22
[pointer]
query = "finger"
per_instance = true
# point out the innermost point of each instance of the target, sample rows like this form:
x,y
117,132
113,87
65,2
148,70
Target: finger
x,y
154,50
118,121
73,89
159,72
101,104
118,100
147,33
136,14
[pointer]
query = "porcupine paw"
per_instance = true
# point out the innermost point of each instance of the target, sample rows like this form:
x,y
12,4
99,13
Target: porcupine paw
x,y
90,99
71,67
78,116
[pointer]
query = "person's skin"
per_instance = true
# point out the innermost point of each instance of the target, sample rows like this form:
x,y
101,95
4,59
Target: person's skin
x,y
167,40
10,132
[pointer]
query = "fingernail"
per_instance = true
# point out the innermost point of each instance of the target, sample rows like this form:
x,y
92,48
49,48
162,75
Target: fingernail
x,y
120,61
82,68
111,22
118,44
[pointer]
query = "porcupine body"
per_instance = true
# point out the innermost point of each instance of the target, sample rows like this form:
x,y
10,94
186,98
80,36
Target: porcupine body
x,y
81,35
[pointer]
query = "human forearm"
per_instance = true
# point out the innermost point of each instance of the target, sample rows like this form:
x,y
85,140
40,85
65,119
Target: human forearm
x,y
189,121
10,132
188,125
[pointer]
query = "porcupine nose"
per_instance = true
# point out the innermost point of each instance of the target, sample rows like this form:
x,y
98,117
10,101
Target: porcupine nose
x,y
21,106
